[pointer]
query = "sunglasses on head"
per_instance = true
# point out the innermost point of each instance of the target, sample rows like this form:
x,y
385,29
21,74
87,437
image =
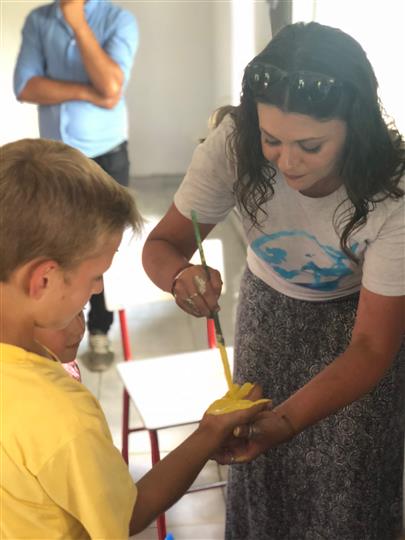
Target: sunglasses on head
x,y
303,86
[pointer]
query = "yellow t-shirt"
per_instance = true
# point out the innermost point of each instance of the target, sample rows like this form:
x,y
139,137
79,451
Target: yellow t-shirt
x,y
61,476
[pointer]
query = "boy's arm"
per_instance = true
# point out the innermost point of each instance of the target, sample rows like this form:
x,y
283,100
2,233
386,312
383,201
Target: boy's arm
x,y
169,479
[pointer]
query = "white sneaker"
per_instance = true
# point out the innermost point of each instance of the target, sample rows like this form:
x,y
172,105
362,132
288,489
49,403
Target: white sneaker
x,y
99,357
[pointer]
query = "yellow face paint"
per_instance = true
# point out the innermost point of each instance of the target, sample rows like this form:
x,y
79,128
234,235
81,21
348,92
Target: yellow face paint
x,y
234,400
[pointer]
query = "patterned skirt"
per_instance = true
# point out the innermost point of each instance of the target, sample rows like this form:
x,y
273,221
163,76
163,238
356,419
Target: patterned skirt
x,y
340,479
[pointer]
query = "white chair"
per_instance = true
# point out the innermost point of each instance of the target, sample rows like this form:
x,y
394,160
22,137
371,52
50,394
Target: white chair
x,y
167,391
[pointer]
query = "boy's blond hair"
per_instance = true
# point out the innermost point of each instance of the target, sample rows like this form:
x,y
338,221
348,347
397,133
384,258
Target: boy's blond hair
x,y
56,203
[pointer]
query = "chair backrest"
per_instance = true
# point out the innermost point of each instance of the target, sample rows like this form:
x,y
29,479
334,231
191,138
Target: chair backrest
x,y
175,389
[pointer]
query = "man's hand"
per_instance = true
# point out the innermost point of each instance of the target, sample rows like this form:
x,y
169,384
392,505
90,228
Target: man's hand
x,y
73,12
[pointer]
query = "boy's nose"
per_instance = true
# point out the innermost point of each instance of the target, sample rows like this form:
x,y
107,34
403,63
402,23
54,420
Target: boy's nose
x,y
99,287
79,326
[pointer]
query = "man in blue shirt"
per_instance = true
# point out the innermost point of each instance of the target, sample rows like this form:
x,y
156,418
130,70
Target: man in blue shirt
x,y
74,62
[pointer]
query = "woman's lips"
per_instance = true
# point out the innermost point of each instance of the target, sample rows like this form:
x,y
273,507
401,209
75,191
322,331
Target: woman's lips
x,y
293,177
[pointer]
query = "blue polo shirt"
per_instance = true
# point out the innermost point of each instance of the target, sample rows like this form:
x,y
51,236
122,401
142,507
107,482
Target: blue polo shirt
x,y
49,49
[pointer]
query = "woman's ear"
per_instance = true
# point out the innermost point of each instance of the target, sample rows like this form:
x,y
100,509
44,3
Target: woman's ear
x,y
41,277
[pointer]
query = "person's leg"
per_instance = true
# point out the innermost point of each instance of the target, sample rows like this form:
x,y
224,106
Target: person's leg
x,y
339,479
100,319
100,356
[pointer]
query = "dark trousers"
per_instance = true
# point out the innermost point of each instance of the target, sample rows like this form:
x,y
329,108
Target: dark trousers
x,y
116,164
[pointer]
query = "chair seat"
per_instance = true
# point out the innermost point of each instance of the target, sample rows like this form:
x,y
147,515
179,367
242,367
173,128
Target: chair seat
x,y
175,389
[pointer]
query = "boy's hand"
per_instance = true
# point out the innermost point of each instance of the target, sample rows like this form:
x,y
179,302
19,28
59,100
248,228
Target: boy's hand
x,y
237,398
248,441
221,426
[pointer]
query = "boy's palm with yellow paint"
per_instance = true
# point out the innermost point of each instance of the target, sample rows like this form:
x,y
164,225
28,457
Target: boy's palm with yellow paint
x,y
238,398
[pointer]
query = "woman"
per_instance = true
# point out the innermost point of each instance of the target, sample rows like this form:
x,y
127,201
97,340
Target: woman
x,y
318,178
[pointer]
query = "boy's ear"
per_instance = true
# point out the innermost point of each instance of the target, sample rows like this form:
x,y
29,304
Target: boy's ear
x,y
40,278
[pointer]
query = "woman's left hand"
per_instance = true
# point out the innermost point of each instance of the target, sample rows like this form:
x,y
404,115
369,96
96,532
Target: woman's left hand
x,y
248,441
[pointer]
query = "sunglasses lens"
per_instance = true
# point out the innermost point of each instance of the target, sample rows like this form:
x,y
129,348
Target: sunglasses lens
x,y
260,77
305,88
312,89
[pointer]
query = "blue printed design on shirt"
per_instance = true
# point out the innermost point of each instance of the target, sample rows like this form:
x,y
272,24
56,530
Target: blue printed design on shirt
x,y
323,271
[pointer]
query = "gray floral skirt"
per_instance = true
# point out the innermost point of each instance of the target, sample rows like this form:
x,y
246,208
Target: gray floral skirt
x,y
340,479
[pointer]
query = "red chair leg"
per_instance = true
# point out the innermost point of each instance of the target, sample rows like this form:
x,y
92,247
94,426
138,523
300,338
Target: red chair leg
x,y
126,346
126,343
212,341
154,443
125,426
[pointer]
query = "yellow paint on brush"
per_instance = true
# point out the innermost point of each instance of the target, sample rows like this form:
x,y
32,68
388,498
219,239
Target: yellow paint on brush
x,y
225,363
234,400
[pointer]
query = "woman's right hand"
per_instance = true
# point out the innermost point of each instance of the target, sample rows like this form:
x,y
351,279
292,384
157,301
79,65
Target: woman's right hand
x,y
195,293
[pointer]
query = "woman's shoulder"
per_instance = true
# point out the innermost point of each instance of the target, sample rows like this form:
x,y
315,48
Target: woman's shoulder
x,y
216,149
387,214
225,128
388,203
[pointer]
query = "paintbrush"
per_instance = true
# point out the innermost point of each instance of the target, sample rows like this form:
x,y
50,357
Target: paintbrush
x,y
214,315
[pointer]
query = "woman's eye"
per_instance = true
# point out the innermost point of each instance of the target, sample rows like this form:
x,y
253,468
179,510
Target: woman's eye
x,y
271,142
311,149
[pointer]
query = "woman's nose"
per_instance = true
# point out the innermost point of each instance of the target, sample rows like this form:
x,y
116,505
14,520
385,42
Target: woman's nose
x,y
287,159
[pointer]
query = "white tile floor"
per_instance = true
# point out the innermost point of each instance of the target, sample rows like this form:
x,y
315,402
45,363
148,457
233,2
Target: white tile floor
x,y
158,329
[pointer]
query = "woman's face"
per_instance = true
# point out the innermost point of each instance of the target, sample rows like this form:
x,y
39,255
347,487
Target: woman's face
x,y
305,150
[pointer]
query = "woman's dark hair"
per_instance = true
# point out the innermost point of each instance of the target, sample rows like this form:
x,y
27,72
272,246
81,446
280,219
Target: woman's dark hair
x,y
373,159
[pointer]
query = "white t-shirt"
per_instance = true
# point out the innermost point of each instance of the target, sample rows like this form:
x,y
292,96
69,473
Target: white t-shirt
x,y
298,252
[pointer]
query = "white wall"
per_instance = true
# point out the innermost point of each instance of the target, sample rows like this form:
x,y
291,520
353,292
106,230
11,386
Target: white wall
x,y
18,120
171,93
222,54
379,28
226,41
183,71
262,33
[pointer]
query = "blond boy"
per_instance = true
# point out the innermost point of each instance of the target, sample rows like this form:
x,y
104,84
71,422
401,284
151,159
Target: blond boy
x,y
62,219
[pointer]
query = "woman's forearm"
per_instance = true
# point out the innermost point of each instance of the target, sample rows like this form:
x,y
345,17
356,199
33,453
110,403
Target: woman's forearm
x,y
348,378
162,261
169,247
